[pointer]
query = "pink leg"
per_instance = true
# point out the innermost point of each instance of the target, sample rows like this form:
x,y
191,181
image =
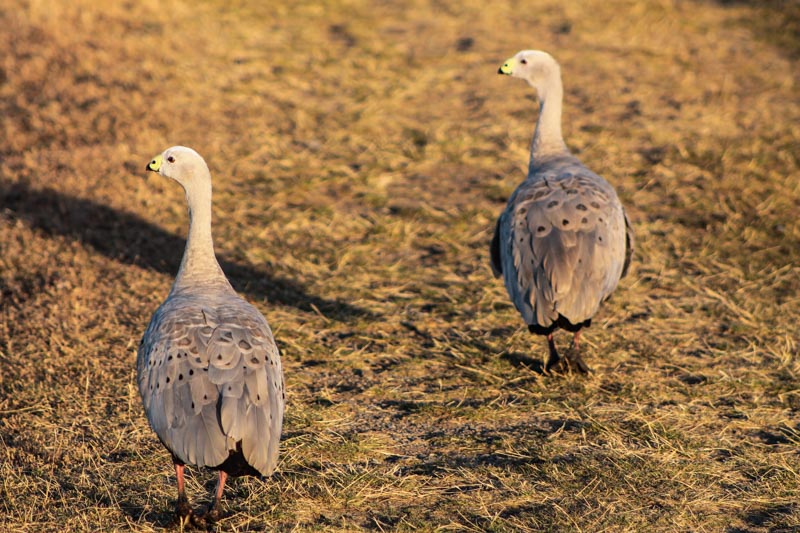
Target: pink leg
x,y
181,483
575,339
218,490
574,357
553,360
183,511
213,514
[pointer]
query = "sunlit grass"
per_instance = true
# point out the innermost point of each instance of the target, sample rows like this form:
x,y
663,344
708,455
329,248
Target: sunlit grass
x,y
360,154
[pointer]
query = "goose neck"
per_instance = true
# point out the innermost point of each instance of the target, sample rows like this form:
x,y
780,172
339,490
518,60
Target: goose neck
x,y
547,139
199,264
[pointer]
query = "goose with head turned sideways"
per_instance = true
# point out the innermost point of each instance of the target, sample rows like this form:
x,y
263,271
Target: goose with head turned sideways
x,y
563,242
208,368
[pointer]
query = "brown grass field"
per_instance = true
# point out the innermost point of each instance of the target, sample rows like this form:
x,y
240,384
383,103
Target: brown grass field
x,y
361,152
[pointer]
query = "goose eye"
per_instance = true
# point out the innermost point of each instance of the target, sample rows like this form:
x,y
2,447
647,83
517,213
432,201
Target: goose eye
x,y
171,159
523,61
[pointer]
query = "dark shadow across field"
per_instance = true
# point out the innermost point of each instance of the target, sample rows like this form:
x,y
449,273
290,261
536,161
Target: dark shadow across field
x,y
128,238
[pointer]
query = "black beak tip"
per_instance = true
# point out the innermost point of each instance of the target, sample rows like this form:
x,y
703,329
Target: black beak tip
x,y
500,70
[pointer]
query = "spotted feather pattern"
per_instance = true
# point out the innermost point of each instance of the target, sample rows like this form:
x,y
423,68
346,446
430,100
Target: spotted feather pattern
x,y
562,243
210,377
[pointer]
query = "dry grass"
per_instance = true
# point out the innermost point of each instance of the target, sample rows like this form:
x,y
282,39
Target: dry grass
x,y
361,152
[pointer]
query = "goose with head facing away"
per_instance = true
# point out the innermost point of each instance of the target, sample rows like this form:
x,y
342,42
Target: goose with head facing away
x,y
563,241
208,369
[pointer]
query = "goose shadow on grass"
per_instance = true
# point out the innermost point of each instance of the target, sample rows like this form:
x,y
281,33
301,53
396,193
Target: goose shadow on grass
x,y
130,239
521,360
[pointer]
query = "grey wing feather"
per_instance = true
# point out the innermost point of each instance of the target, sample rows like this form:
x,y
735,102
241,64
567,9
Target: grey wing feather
x,y
561,244
208,375
494,250
630,244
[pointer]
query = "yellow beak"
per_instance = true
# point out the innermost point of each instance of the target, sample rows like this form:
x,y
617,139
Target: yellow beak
x,y
155,164
508,67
